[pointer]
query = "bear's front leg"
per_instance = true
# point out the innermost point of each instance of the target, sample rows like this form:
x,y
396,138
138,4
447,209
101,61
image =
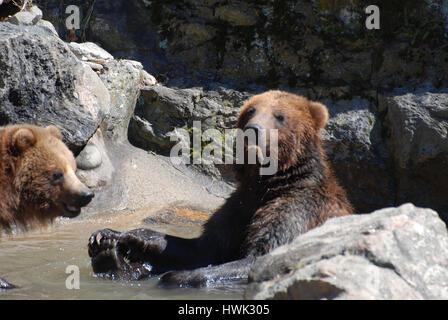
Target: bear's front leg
x,y
210,276
124,255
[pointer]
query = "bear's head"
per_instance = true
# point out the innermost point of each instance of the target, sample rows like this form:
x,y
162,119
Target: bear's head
x,y
44,175
295,120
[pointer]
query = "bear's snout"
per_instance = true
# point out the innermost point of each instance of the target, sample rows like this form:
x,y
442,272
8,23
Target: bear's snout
x,y
257,131
85,197
253,126
77,195
77,201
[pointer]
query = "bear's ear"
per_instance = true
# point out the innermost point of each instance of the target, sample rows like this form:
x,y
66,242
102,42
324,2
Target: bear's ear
x,y
319,112
54,131
23,139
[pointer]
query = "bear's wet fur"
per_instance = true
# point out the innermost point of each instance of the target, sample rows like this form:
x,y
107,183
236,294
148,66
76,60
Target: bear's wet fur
x,y
265,211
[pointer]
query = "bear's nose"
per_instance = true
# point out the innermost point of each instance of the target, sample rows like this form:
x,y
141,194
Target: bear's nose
x,y
256,129
85,197
253,126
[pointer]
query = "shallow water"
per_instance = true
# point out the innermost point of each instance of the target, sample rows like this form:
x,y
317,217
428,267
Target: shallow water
x,y
36,262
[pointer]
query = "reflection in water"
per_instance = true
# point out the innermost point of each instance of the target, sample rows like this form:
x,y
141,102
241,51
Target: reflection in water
x,y
36,262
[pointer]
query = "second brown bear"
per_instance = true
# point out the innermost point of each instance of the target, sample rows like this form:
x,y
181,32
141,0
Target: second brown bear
x,y
265,212
37,179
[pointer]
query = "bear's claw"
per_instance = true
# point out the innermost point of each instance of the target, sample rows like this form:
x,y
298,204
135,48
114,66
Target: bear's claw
x,y
102,240
116,254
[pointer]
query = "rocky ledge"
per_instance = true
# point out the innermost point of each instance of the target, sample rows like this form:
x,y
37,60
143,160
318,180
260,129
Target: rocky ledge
x,y
394,253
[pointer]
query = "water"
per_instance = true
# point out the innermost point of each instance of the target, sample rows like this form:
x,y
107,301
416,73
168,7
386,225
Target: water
x,y
36,262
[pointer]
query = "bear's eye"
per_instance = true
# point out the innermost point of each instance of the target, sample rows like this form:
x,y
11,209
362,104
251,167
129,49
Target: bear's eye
x,y
250,111
58,176
279,117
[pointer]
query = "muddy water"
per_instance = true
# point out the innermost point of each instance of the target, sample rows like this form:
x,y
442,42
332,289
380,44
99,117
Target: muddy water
x,y
36,262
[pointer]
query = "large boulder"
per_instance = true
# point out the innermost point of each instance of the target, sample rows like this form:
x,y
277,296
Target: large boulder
x,y
27,17
162,109
354,146
163,115
393,253
417,137
123,80
43,82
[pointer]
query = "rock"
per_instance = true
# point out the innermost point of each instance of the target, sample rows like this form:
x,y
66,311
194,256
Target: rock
x,y
28,17
196,34
287,43
48,25
112,39
163,114
237,14
353,143
417,137
89,158
89,51
351,68
147,80
43,82
141,181
162,109
394,253
93,65
418,124
122,79
256,61
95,168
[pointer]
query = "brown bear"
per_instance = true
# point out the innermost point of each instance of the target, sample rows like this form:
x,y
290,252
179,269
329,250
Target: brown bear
x,y
37,178
265,211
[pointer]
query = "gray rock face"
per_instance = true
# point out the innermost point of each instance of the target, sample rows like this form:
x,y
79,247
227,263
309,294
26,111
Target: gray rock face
x,y
162,109
122,78
89,51
95,168
47,24
418,124
89,158
417,131
28,17
353,143
288,43
394,253
43,82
